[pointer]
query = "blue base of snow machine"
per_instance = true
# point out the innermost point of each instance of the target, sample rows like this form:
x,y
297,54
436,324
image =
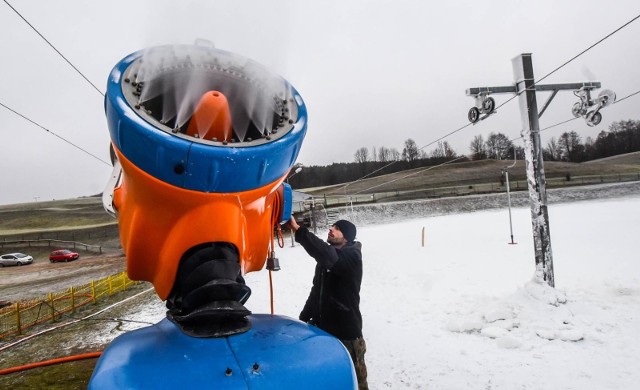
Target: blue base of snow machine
x,y
276,353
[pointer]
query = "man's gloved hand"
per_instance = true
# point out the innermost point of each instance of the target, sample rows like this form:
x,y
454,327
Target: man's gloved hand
x,y
293,224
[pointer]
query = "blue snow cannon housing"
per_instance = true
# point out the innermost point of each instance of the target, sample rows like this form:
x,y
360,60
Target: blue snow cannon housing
x,y
277,353
153,95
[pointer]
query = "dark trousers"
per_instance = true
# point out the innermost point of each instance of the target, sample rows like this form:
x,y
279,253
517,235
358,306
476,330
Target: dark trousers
x,y
357,349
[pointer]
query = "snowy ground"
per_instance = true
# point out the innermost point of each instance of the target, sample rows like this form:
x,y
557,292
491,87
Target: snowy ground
x,y
465,311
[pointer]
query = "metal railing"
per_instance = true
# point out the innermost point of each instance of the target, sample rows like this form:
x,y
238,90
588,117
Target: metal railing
x,y
328,201
48,243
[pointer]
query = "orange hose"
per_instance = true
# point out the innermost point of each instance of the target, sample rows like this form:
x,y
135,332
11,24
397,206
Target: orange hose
x,y
90,355
280,238
275,224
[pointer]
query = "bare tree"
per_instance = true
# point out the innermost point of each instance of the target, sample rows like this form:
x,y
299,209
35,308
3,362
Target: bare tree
x,y
478,148
498,146
374,155
438,152
410,151
394,154
572,147
443,150
383,154
362,155
552,152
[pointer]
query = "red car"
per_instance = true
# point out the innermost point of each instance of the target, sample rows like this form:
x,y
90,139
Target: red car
x,y
63,255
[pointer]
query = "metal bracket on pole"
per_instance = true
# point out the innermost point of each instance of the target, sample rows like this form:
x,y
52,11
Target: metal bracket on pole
x,y
526,88
546,104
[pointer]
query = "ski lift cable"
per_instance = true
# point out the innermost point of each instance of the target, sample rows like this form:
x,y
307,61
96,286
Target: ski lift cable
x,y
591,47
54,48
458,158
508,100
56,135
626,97
413,173
369,174
571,60
574,118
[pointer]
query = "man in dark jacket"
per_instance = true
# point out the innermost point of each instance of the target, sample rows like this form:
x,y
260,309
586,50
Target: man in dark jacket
x,y
334,302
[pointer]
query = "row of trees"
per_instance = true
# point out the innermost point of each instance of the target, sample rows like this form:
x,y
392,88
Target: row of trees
x,y
622,137
410,153
373,162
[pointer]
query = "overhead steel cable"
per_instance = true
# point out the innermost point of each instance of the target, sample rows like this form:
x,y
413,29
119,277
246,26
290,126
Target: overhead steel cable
x,y
569,61
56,135
464,156
574,118
590,47
413,174
626,97
508,100
54,48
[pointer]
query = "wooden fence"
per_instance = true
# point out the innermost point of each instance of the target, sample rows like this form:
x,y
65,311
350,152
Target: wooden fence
x,y
17,318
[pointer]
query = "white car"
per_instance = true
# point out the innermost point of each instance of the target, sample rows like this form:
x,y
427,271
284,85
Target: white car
x,y
15,259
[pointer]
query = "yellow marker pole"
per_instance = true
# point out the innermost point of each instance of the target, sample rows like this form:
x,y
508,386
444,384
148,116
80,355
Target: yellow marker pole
x,y
53,310
73,301
423,228
93,292
18,318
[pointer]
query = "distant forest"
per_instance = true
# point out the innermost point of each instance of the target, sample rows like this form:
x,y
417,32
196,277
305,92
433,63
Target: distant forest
x,y
622,137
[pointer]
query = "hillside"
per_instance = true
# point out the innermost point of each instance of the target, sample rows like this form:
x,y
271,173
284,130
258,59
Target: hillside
x,y
480,172
85,219
627,159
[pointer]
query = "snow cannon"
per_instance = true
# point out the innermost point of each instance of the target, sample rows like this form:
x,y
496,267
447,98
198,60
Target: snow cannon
x,y
202,141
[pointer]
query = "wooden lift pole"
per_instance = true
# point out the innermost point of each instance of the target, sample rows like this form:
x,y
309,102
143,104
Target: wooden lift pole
x,y
536,182
526,88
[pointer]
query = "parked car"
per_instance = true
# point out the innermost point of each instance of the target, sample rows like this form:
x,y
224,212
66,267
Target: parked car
x,y
63,255
15,259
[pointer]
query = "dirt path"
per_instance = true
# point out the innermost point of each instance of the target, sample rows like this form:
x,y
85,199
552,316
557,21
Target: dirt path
x,y
41,277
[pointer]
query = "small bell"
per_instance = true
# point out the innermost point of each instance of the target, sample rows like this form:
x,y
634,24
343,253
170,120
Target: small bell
x,y
273,264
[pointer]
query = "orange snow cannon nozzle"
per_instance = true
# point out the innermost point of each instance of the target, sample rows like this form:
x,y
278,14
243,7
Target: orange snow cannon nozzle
x,y
212,119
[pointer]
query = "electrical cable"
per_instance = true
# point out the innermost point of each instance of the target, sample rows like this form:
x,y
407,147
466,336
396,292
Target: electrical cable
x,y
112,319
58,136
54,48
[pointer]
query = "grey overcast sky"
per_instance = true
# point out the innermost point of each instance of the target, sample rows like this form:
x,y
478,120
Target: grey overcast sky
x,y
372,73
